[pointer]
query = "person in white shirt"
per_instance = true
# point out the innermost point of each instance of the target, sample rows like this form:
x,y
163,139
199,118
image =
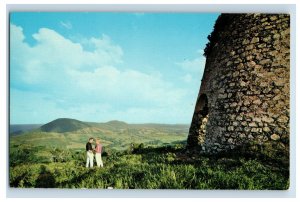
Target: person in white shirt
x,y
98,150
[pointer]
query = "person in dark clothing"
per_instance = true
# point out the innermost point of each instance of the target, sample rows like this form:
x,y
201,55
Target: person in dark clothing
x,y
89,153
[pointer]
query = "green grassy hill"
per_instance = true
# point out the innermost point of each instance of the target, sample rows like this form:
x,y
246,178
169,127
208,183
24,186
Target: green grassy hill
x,y
63,125
117,135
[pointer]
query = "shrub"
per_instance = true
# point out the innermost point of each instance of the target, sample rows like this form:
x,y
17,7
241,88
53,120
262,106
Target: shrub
x,y
164,167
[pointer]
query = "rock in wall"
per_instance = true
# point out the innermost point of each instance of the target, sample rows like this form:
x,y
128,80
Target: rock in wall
x,y
244,94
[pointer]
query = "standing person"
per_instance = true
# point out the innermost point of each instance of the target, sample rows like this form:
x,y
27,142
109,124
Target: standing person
x,y
98,150
89,153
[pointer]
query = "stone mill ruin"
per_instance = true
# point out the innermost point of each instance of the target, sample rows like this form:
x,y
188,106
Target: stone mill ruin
x,y
245,91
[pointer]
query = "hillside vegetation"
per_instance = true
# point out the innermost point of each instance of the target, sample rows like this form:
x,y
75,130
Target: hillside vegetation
x,y
139,167
116,135
139,156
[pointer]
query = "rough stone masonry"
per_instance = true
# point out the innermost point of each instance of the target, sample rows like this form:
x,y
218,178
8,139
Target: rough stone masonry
x,y
244,94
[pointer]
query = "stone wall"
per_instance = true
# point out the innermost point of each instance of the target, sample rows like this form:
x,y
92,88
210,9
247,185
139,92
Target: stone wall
x,y
244,94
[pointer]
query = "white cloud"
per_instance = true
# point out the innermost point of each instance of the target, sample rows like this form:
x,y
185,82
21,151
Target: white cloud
x,y
66,24
80,82
193,65
194,68
54,55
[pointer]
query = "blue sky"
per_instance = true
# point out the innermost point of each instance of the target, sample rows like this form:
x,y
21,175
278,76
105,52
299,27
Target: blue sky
x,y
134,67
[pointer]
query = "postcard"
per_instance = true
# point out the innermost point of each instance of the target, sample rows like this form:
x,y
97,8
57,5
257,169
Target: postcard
x,y
148,100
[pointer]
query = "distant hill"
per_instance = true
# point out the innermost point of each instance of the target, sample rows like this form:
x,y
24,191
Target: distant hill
x,y
112,125
63,125
162,126
73,134
116,123
17,129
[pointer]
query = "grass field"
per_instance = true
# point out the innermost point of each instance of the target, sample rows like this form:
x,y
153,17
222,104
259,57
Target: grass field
x,y
143,156
167,167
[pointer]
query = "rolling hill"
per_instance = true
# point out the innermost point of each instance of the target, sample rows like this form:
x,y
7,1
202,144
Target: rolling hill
x,y
73,134
63,125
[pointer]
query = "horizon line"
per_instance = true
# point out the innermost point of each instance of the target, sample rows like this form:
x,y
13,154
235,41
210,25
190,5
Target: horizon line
x,y
101,122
